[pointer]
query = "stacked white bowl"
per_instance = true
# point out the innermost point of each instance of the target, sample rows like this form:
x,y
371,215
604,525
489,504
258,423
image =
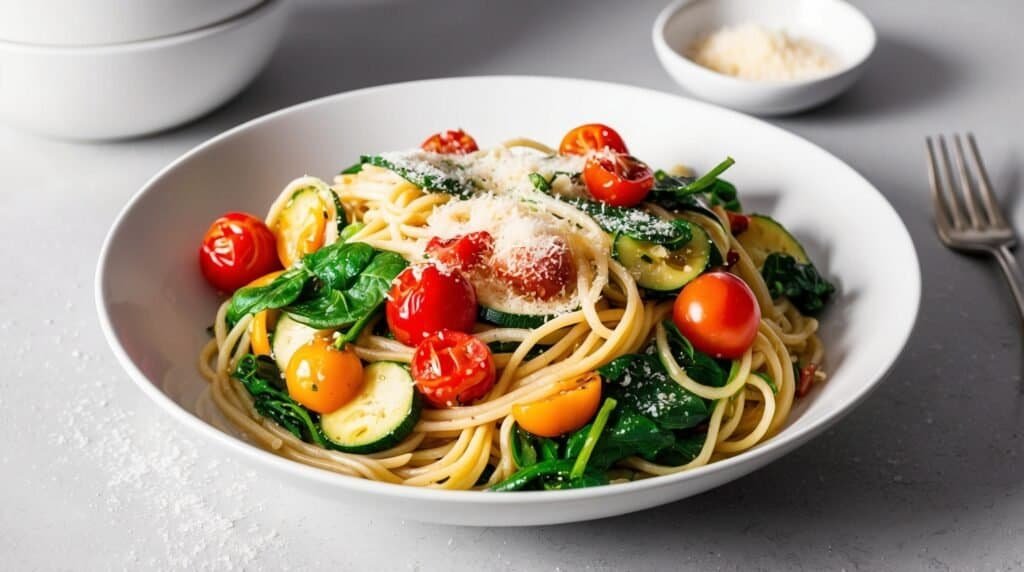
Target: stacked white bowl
x,y
109,69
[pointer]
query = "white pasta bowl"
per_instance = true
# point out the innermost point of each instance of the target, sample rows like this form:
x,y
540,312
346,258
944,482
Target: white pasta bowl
x,y
135,88
842,30
154,306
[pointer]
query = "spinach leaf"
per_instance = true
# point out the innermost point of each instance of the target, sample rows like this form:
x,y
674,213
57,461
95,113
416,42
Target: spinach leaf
x,y
442,176
262,379
284,290
676,192
337,265
593,435
544,185
682,451
771,383
352,170
330,308
641,383
349,231
801,283
523,478
524,450
701,367
635,223
630,434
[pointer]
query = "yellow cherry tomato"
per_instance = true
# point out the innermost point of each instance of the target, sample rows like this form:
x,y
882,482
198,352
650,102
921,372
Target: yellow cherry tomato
x,y
322,377
259,338
565,411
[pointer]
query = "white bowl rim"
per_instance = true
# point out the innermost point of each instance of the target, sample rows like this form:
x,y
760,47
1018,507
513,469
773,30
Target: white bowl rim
x,y
663,47
166,41
297,469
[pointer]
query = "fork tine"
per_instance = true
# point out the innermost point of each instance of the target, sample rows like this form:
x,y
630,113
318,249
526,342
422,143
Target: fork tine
x,y
935,182
966,187
995,216
949,194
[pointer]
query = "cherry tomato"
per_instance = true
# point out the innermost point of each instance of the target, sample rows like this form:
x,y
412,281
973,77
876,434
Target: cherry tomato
x,y
806,380
737,222
622,181
542,272
237,249
462,252
259,337
453,141
591,137
322,377
719,314
565,411
424,300
453,368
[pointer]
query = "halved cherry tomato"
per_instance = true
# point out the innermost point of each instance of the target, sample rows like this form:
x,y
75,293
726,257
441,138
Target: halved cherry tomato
x,y
591,137
806,380
542,272
737,222
718,313
453,368
453,141
424,300
322,377
622,181
462,252
568,410
237,249
259,336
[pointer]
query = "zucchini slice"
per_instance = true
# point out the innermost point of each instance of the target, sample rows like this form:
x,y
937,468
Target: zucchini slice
x,y
304,223
383,413
289,336
765,236
512,320
658,268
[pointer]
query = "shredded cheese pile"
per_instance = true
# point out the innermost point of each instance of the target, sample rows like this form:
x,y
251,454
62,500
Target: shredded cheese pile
x,y
751,51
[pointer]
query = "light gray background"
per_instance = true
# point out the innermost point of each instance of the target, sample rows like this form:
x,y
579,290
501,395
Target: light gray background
x,y
926,474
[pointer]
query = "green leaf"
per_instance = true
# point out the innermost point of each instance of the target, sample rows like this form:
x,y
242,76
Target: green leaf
x,y
284,290
524,451
338,265
354,169
521,479
701,367
330,308
441,176
630,434
262,379
593,435
635,223
349,231
682,451
674,192
641,383
801,283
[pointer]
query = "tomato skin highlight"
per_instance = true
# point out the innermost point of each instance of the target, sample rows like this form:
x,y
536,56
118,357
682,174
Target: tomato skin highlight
x,y
719,314
452,142
425,300
237,249
591,137
453,368
542,275
464,252
622,181
322,377
571,408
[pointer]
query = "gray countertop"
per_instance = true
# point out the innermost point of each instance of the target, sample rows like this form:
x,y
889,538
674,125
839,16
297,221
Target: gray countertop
x,y
928,473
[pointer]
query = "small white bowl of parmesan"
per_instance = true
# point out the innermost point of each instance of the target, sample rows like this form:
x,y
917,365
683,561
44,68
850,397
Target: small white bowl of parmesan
x,y
764,57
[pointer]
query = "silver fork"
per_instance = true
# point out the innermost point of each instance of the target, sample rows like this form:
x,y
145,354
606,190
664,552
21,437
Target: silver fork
x,y
971,222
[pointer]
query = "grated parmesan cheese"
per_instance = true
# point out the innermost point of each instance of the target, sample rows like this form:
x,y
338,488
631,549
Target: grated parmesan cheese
x,y
751,51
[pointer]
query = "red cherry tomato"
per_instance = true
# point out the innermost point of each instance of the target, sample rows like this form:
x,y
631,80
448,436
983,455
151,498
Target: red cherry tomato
x,y
543,270
719,314
453,141
591,137
737,222
453,368
424,300
622,181
237,249
806,380
462,252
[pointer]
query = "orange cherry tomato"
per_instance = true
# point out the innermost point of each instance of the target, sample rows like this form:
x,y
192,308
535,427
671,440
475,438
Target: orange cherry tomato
x,y
259,336
568,410
236,249
322,377
621,181
719,314
453,141
591,137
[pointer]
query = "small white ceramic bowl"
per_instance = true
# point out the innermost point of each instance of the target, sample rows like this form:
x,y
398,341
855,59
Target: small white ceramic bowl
x,y
834,24
134,88
100,22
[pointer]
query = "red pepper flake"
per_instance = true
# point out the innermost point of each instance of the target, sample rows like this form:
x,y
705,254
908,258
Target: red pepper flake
x,y
806,379
737,222
732,258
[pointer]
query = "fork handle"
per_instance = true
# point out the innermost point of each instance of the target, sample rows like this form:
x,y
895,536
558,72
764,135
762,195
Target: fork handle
x,y
1013,276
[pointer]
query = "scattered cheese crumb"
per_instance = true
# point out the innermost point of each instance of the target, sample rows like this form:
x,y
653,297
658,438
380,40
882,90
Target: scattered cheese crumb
x,y
752,51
